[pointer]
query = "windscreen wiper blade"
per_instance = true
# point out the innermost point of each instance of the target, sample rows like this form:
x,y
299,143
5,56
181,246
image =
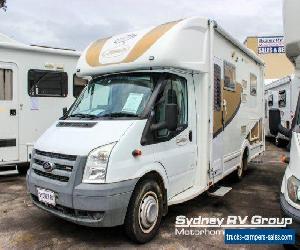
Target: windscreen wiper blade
x,y
84,116
119,114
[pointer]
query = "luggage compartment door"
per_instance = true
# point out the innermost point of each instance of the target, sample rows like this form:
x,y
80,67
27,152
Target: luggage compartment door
x,y
9,113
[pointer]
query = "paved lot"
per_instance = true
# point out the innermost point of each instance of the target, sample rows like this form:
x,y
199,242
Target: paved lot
x,y
22,226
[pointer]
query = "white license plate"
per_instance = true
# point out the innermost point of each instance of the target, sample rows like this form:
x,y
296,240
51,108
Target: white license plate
x,y
46,196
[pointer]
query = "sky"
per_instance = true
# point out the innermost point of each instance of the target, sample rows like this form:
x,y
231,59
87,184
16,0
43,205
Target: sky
x,y
76,23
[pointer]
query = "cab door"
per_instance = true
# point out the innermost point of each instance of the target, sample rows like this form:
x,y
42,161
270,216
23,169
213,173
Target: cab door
x,y
8,113
176,151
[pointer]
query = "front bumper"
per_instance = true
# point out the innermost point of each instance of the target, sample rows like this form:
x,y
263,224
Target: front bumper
x,y
289,211
95,205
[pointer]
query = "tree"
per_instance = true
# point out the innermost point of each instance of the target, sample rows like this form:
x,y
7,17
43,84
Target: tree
x,y
3,5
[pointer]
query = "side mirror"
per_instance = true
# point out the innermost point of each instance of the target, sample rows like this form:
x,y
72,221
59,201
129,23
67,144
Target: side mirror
x,y
171,116
274,121
65,111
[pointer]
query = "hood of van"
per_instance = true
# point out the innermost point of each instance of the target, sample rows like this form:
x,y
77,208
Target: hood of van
x,y
80,137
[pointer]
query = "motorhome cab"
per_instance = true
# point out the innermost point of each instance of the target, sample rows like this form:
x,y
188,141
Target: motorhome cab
x,y
35,84
169,111
282,94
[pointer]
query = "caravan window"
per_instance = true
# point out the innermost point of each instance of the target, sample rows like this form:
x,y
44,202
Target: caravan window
x,y
253,85
78,85
47,83
217,88
270,100
282,99
6,84
229,76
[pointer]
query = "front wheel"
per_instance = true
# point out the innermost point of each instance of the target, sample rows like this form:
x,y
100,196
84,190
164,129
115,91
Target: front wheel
x,y
144,212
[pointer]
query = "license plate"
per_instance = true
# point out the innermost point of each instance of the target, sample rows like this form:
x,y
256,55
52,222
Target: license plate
x,y
46,196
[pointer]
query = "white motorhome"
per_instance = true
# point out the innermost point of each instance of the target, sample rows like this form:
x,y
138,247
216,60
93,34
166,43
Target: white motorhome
x,y
169,112
290,188
36,83
282,94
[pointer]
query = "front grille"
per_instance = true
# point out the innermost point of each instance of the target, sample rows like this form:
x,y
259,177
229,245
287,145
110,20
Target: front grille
x,y
67,168
51,176
56,155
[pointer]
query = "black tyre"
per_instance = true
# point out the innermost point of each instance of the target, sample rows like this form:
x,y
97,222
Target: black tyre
x,y
22,169
240,172
144,211
281,143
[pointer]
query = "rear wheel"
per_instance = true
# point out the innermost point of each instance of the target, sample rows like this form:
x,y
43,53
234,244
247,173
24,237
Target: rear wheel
x,y
144,212
242,168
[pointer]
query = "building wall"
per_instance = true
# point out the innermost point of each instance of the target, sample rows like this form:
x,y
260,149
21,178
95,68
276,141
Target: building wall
x,y
277,64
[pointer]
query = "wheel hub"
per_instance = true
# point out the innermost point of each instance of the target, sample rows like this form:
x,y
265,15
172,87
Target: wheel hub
x,y
148,211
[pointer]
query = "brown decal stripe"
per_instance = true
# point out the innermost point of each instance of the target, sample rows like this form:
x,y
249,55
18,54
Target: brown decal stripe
x,y
233,99
93,52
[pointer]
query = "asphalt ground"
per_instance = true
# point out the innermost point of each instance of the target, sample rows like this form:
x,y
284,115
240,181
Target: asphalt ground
x,y
23,226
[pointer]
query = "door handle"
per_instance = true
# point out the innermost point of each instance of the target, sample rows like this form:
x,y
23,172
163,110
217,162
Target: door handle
x,y
191,135
13,112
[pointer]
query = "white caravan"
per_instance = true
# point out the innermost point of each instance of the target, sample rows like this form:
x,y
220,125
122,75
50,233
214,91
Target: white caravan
x,y
290,188
36,83
282,94
169,112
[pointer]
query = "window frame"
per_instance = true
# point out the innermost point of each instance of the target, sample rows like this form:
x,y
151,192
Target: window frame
x,y
50,96
280,94
11,83
180,127
230,66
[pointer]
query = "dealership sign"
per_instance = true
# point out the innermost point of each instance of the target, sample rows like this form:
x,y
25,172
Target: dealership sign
x,y
271,45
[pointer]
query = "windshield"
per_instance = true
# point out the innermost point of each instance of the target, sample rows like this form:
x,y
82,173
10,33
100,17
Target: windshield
x,y
121,95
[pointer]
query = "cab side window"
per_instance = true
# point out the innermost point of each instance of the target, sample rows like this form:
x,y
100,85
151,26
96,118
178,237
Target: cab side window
x,y
78,85
175,92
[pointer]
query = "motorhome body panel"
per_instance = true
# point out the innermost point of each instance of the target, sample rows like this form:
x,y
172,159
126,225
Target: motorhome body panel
x,y
33,114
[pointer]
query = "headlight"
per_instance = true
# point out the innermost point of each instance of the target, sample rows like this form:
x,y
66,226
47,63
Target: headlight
x,y
96,164
293,187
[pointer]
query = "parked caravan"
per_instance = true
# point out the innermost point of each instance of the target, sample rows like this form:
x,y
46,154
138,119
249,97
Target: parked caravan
x,y
282,94
169,112
35,84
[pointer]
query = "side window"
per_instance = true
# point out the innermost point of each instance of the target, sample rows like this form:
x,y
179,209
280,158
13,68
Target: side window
x,y
175,92
217,88
47,83
253,85
78,85
6,84
282,99
229,76
270,100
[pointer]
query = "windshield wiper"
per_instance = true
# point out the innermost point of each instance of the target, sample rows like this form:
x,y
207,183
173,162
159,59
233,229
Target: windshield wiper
x,y
119,114
83,116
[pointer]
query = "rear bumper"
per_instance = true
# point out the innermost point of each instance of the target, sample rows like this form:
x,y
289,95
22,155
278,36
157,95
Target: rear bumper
x,y
94,205
289,211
